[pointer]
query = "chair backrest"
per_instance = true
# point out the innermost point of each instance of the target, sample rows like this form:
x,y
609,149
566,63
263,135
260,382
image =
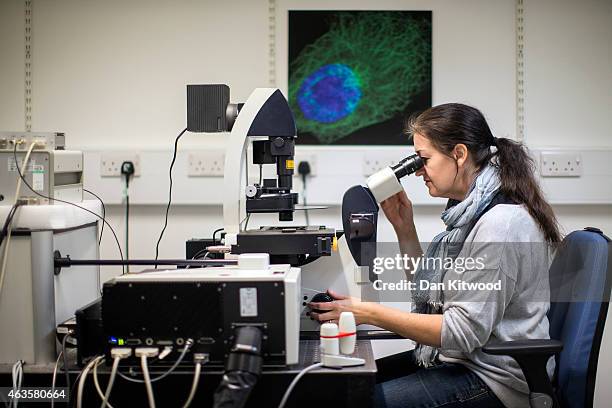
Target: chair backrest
x,y
580,291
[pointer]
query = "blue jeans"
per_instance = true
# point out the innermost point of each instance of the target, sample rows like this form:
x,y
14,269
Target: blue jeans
x,y
401,383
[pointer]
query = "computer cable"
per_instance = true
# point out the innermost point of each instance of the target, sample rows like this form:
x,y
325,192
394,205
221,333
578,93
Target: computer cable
x,y
295,381
17,377
83,378
98,388
215,234
21,176
17,195
54,378
161,234
103,212
118,354
143,353
199,359
65,362
188,345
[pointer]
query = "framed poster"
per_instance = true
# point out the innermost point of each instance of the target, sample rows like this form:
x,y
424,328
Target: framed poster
x,y
354,76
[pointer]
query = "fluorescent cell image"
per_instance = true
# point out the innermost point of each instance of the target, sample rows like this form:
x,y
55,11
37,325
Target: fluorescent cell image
x,y
354,76
329,94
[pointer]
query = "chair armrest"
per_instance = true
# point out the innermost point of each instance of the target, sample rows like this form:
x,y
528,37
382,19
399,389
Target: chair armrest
x,y
525,347
532,356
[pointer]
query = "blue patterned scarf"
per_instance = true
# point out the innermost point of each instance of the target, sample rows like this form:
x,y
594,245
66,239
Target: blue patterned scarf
x,y
458,220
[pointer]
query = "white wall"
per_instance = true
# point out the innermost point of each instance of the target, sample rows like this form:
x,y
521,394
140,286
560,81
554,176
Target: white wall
x,y
112,74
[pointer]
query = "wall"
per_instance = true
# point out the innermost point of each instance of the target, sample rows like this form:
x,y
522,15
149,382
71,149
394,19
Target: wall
x,y
112,75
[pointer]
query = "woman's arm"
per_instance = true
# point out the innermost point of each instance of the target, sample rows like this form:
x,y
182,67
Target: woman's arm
x,y
398,210
422,328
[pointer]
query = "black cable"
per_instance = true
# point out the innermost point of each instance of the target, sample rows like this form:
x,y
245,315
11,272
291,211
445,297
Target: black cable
x,y
127,170
65,202
305,202
127,227
215,234
161,235
8,221
103,214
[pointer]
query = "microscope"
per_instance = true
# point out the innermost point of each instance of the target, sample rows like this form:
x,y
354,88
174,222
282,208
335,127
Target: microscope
x,y
328,259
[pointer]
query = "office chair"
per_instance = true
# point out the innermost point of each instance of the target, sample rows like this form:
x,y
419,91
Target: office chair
x,y
580,291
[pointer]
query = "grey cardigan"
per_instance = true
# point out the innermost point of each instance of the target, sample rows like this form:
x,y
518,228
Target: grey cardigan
x,y
513,253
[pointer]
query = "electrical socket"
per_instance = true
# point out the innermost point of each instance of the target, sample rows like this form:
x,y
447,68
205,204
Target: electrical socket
x,y
373,165
206,164
312,161
110,163
560,164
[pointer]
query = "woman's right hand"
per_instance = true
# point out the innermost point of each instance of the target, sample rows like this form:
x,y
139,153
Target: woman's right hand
x,y
398,210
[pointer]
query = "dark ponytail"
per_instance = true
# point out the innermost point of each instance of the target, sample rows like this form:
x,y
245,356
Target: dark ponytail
x,y
450,124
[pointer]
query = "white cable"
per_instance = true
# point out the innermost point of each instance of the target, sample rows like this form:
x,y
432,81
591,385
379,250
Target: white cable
x,y
194,385
109,386
295,381
84,378
24,165
17,377
147,379
188,345
54,377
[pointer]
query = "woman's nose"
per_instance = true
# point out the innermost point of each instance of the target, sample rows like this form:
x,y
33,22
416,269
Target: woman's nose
x,y
420,172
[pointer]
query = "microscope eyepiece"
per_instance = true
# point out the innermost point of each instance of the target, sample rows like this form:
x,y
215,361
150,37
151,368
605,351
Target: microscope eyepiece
x,y
386,182
407,166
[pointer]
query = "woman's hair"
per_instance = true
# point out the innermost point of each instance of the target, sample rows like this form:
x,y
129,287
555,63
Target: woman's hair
x,y
450,124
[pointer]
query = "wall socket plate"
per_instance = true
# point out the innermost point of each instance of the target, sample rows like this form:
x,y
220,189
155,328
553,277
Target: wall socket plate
x,y
206,164
560,164
110,163
375,163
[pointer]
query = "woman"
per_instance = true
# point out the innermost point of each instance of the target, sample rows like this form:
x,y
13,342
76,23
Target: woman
x,y
494,202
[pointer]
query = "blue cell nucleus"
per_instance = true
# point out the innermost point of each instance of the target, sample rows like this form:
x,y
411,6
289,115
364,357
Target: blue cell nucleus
x,y
329,94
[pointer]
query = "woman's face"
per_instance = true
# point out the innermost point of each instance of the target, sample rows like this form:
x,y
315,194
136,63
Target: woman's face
x,y
440,172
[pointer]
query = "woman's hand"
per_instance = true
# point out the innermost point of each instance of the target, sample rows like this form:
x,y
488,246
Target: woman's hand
x,y
330,311
398,210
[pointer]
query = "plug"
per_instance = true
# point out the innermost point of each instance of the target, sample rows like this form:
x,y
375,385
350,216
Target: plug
x,y
201,358
304,169
127,170
146,352
121,352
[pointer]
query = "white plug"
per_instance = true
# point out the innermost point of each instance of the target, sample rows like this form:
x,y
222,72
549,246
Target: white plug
x,y
121,352
148,352
167,350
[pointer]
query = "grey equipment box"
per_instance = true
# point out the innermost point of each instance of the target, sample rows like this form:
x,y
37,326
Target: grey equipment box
x,y
51,170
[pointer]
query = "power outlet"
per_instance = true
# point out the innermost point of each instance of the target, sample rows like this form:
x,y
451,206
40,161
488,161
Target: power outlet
x,y
206,164
372,165
312,161
110,163
560,164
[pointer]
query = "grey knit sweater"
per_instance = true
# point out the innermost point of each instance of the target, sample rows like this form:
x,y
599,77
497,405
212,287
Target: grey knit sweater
x,y
512,252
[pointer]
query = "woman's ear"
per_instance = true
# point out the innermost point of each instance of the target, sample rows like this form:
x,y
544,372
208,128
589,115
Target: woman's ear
x,y
460,152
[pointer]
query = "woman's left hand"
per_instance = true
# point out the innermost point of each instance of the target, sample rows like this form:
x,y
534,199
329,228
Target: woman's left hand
x,y
330,311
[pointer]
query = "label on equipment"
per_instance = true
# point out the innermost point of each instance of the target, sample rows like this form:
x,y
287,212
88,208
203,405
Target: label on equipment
x,y
38,178
290,165
13,168
248,302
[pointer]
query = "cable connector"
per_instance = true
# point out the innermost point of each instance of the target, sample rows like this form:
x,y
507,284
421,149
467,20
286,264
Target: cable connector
x,y
201,358
167,350
121,352
148,352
